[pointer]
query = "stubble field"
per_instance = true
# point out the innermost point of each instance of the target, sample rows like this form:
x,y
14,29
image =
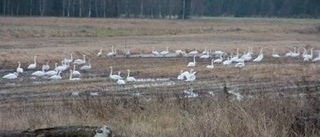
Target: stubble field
x,y
155,105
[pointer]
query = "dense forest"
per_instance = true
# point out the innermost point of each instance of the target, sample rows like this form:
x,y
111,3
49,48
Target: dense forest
x,y
182,9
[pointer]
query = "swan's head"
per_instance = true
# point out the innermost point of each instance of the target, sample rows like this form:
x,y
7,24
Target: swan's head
x,y
110,67
15,73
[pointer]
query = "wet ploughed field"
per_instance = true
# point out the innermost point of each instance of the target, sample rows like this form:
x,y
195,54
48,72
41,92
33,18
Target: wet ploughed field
x,y
53,39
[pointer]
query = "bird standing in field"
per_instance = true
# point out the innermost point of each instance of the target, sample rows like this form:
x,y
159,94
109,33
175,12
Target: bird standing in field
x,y
19,69
34,64
192,64
99,54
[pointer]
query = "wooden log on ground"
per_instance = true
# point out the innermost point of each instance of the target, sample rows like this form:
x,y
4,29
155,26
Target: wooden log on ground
x,y
64,131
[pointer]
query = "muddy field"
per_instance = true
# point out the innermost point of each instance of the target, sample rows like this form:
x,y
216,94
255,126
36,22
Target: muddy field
x,y
53,39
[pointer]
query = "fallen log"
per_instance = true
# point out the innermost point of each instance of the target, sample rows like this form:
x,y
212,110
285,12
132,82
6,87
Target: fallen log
x,y
63,131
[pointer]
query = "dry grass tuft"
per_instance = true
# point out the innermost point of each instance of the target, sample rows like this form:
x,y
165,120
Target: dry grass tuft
x,y
264,116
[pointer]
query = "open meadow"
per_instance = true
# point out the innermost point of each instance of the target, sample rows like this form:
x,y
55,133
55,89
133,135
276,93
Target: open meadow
x,y
273,97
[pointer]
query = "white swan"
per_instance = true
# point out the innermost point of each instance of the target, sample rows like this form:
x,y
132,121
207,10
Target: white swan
x,y
211,65
75,72
80,61
289,54
165,52
274,54
195,52
86,67
68,60
205,56
205,51
306,56
71,78
52,72
317,58
39,73
192,64
13,75
179,52
260,56
219,60
63,67
113,77
227,62
121,82
239,65
219,52
99,54
112,53
296,54
34,65
191,77
130,79
184,74
247,56
46,66
119,74
235,58
19,69
180,76
56,77
155,53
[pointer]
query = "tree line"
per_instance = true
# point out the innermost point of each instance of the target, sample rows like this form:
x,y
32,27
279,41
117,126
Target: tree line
x,y
181,9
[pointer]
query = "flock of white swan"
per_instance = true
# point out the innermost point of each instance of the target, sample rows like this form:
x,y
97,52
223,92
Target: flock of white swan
x,y
218,57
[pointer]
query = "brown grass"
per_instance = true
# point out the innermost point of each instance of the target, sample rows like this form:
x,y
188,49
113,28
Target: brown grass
x,y
205,116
